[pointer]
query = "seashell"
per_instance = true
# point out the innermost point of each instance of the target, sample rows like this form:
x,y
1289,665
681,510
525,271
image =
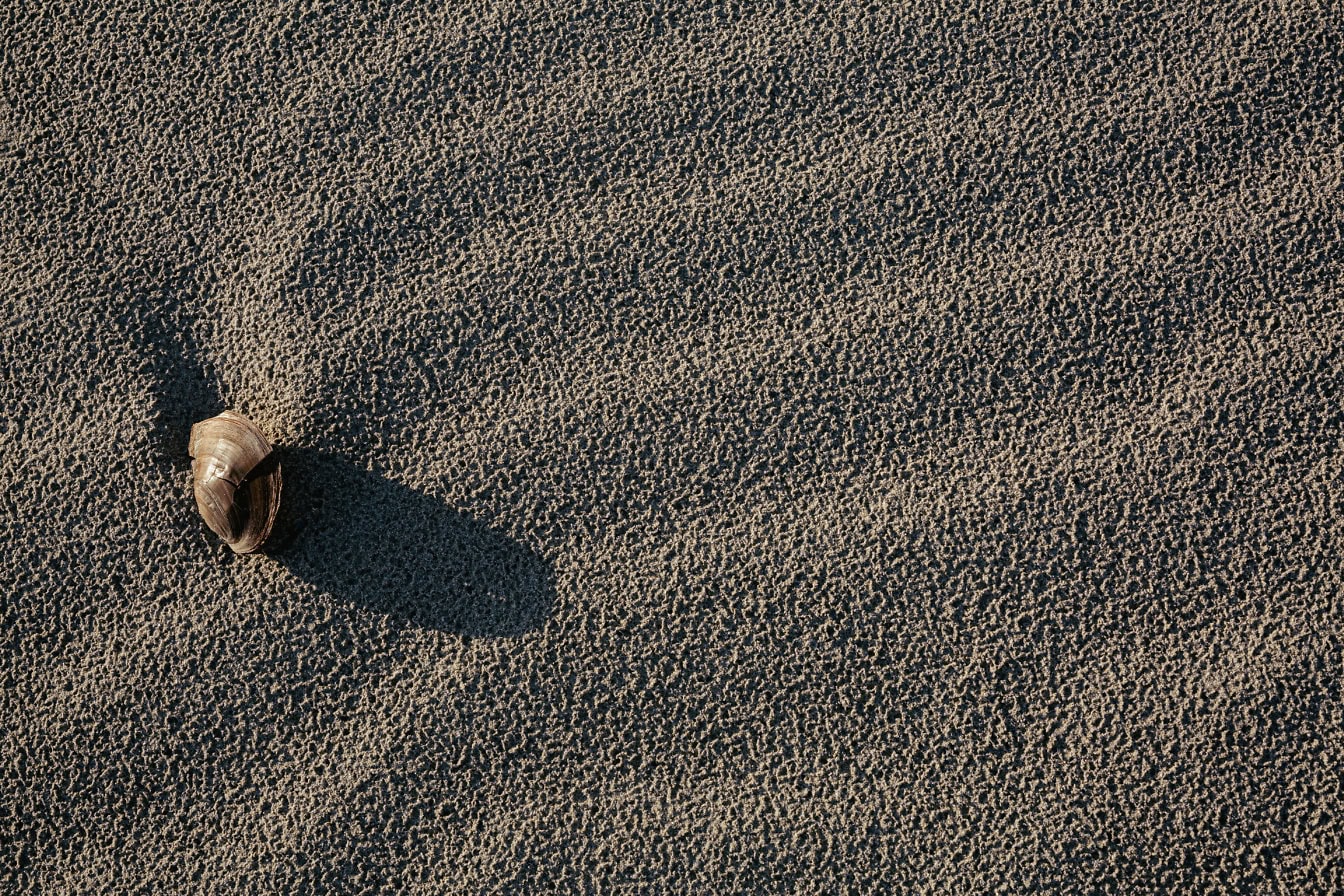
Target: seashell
x,y
236,478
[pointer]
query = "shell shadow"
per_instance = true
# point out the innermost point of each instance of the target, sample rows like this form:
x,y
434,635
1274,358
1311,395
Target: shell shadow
x,y
379,544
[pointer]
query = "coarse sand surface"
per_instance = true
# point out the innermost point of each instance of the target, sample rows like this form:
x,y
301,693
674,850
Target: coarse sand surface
x,y
728,448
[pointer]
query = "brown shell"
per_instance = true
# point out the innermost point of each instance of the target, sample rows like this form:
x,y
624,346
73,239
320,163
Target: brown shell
x,y
236,477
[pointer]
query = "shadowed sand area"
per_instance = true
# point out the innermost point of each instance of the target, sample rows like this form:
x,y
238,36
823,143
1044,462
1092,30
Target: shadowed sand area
x,y
728,448
369,541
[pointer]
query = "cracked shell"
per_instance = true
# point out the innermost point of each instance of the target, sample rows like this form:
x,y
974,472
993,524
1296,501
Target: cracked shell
x,y
236,478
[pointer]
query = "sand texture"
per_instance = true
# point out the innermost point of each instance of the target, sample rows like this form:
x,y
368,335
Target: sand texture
x,y
727,448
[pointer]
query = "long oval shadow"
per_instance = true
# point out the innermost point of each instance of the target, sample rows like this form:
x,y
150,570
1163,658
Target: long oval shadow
x,y
379,544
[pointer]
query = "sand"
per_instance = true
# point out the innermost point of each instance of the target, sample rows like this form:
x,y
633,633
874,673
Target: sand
x,y
727,450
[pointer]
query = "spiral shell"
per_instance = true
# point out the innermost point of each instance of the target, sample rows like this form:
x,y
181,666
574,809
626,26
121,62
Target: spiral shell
x,y
236,478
